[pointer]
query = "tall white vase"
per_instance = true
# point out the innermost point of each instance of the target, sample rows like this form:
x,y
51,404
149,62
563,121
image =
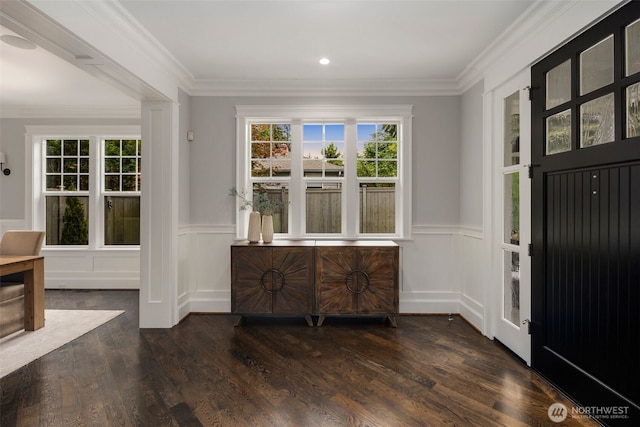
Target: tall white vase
x,y
267,228
253,235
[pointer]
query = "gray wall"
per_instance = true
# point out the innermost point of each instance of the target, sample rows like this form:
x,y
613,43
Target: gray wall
x,y
207,165
471,157
12,142
436,154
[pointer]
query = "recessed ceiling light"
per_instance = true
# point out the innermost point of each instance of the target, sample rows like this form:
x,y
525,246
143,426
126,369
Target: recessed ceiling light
x,y
324,61
18,42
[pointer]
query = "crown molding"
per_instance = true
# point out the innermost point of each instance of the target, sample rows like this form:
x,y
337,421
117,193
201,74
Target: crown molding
x,y
323,88
70,112
536,16
533,22
121,21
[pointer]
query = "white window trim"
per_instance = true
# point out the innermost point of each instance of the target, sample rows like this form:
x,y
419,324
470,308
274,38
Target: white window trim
x,y
350,115
34,177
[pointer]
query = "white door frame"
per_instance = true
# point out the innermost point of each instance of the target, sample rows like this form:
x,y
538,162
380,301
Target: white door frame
x,y
516,338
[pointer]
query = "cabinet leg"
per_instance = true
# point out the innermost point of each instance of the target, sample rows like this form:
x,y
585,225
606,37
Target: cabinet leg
x,y
309,320
240,321
320,320
393,321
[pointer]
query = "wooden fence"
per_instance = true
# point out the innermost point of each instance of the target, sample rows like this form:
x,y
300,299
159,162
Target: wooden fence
x,y
324,214
324,210
121,219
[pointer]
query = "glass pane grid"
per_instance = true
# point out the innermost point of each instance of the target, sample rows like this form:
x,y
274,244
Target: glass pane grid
x,y
66,165
270,150
122,165
323,150
377,150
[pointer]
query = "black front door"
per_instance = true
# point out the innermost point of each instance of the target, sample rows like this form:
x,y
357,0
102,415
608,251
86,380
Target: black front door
x,y
586,219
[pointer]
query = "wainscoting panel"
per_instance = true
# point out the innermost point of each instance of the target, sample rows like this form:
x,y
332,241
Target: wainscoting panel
x,y
428,282
11,224
99,269
207,268
471,275
440,271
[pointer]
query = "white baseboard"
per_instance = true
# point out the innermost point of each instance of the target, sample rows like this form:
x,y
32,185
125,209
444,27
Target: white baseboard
x,y
472,311
432,302
92,283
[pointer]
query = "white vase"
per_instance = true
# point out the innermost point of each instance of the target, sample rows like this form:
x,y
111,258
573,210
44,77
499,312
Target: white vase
x,y
267,228
253,235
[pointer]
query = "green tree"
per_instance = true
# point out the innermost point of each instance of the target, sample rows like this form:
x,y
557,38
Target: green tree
x,y
75,230
383,145
331,152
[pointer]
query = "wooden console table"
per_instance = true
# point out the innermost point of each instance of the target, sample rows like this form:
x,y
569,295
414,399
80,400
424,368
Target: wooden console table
x,y
315,278
357,278
272,279
33,268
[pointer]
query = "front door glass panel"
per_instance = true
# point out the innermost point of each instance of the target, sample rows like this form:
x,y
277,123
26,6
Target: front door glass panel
x,y
632,44
597,121
596,66
558,135
558,85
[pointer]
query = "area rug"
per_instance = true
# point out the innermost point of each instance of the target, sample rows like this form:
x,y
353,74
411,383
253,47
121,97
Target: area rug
x,y
60,327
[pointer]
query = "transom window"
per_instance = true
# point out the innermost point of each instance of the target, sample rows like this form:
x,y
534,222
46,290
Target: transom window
x,y
591,99
341,172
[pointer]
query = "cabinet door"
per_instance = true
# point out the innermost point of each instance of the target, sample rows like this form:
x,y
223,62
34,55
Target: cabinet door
x,y
248,265
291,280
378,280
333,266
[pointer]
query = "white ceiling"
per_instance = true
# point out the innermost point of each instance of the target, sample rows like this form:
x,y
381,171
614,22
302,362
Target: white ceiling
x,y
38,77
280,42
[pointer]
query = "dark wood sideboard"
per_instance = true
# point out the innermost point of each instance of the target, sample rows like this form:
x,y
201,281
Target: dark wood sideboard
x,y
315,278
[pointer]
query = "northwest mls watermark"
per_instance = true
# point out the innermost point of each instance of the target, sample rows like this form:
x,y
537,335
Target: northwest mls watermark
x,y
558,412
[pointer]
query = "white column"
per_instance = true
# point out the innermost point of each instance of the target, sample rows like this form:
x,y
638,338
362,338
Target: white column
x,y
159,216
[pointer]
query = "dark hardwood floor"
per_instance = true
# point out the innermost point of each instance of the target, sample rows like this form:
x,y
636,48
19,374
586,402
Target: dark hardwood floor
x,y
206,372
